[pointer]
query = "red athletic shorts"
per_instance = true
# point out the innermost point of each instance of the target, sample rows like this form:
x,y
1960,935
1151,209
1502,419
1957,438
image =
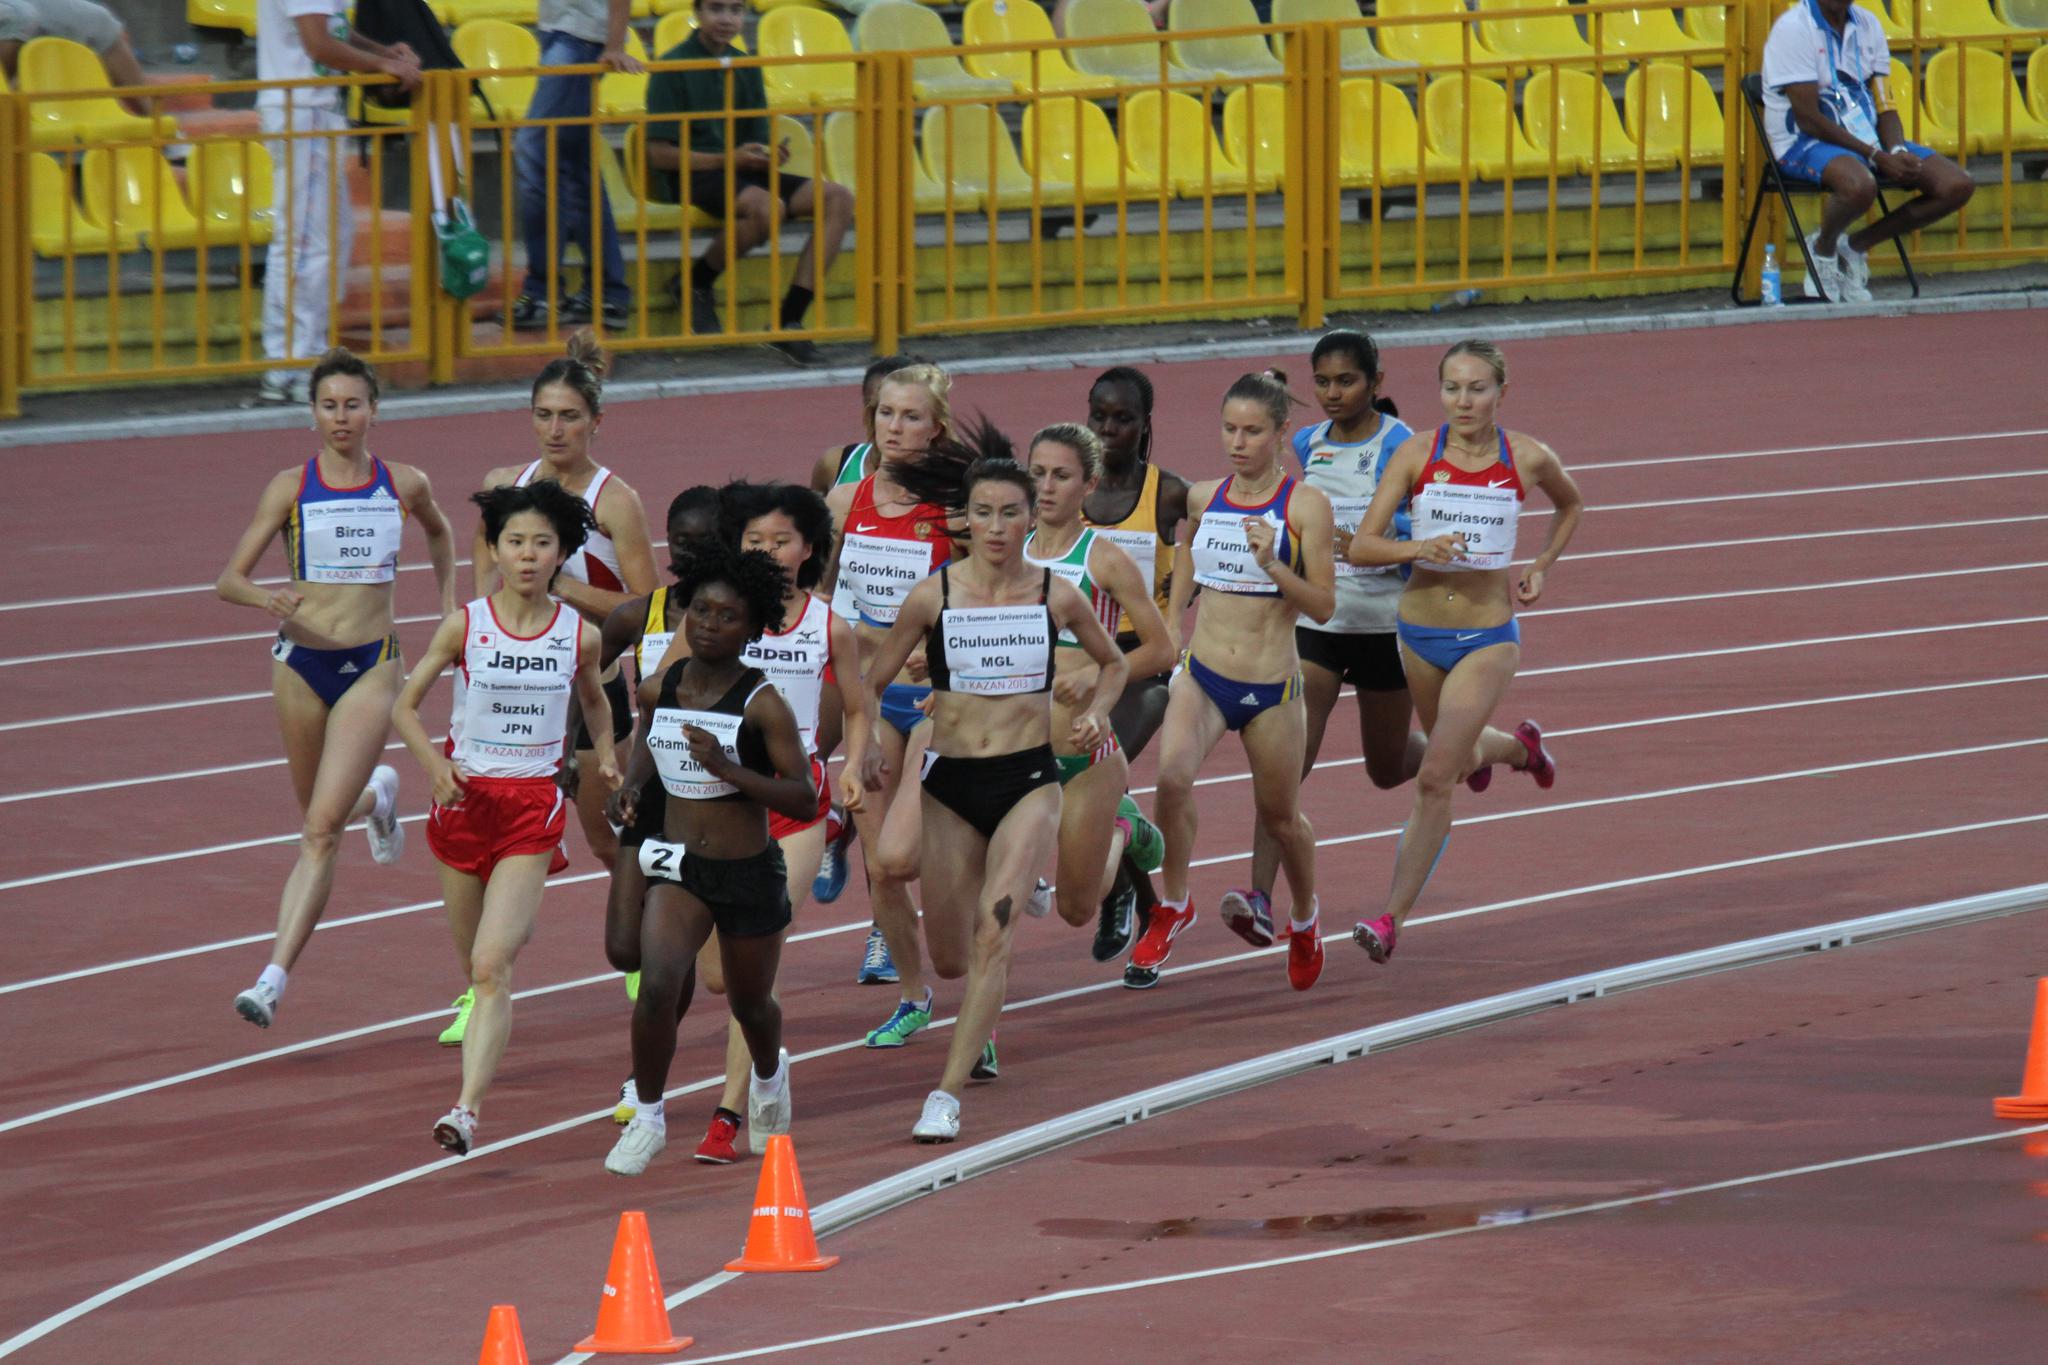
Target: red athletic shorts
x,y
780,827
498,818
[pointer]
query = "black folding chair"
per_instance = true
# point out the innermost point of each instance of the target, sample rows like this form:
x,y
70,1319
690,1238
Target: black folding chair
x,y
1775,181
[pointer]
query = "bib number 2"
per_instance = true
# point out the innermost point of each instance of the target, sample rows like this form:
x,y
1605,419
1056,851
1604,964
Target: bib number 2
x,y
661,861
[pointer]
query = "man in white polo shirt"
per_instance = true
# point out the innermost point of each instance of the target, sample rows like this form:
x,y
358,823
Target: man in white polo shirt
x,y
313,222
1827,105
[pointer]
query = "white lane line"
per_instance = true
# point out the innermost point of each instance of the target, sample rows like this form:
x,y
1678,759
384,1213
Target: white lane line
x,y
91,598
159,646
1766,494
1782,644
1577,555
1838,448
239,846
113,1293
117,712
1783,590
154,779
1509,1217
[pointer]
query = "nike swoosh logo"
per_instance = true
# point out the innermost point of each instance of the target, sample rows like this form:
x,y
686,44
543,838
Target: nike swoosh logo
x,y
1462,637
863,530
1500,483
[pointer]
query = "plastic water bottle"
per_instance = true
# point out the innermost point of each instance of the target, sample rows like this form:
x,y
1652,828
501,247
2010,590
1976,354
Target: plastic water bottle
x,y
1772,288
1464,298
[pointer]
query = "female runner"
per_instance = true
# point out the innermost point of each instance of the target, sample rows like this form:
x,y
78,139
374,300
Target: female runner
x,y
1462,487
991,793
1098,819
498,814
615,565
889,540
336,669
849,464
1138,507
1259,541
728,751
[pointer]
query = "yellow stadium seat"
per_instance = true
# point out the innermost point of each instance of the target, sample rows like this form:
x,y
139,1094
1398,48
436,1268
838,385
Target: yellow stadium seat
x,y
1970,89
1427,44
1378,139
494,45
57,224
625,185
230,184
1070,139
1137,62
1921,123
1243,57
1663,127
2024,13
794,32
1454,104
898,27
803,148
842,164
968,145
1255,129
1641,30
619,92
1532,35
990,23
1710,26
50,65
235,14
1174,142
1960,19
2037,83
1576,105
1355,49
459,12
133,190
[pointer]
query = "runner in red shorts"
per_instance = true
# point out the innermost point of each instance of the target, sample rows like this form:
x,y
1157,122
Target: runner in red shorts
x,y
498,814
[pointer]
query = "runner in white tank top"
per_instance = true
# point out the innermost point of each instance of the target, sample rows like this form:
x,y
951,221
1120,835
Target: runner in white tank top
x,y
498,815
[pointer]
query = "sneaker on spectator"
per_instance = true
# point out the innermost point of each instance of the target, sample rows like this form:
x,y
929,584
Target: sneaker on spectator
x,y
576,311
1824,281
290,393
800,352
528,313
1855,271
704,313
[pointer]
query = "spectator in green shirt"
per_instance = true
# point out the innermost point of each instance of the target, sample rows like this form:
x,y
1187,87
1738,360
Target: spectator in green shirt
x,y
752,210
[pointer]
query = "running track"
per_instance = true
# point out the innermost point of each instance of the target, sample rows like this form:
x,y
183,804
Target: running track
x,y
1800,682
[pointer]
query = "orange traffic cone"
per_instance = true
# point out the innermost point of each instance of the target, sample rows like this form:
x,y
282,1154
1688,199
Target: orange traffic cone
x,y
503,1345
633,1317
2032,1101
779,1236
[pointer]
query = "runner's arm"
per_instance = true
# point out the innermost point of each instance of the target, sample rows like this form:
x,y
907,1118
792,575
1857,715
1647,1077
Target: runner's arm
x,y
234,584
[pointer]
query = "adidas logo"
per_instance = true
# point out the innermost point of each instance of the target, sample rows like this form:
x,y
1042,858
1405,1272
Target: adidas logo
x,y
346,668
382,492
1250,699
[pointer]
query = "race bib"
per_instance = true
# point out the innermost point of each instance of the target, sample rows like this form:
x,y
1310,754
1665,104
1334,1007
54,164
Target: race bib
x,y
996,651
1350,515
660,861
1485,517
513,722
354,541
1141,546
1223,558
650,650
878,574
681,775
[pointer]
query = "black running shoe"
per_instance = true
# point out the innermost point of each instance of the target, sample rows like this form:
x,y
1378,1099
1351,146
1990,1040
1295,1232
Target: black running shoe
x,y
799,352
1117,920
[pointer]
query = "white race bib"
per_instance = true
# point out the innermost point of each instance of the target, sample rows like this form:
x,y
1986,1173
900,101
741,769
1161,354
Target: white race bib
x,y
996,651
877,574
351,540
681,775
660,861
1350,514
1223,558
650,650
1486,517
1141,546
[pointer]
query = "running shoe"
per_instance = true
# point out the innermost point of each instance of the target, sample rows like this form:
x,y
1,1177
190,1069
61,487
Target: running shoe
x,y
985,1068
452,1035
768,1106
1480,777
457,1130
1113,927
258,1004
940,1121
387,836
1249,915
1824,281
639,1144
633,986
1142,839
832,869
1376,936
907,1019
1855,271
718,1147
1138,978
629,1103
1542,766
1155,945
1040,904
1305,955
877,968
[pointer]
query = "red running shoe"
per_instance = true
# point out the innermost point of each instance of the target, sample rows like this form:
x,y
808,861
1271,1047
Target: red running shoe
x,y
717,1147
1155,945
1542,766
1376,936
1305,956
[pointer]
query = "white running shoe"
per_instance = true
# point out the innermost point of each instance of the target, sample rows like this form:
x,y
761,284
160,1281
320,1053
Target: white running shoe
x,y
940,1121
1824,281
638,1145
628,1105
768,1107
1855,271
258,1004
387,836
1040,904
457,1130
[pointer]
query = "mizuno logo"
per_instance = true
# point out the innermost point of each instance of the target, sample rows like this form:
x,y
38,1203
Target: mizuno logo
x,y
1463,637
346,668
562,643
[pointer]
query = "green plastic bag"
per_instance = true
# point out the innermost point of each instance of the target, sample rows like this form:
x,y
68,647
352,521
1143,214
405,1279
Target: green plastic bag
x,y
465,255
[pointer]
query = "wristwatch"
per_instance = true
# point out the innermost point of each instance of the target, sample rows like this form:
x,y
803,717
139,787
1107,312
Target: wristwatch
x,y
1899,150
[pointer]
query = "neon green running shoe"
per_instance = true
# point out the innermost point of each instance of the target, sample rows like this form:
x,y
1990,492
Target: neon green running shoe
x,y
633,986
907,1019
1147,846
985,1069
452,1035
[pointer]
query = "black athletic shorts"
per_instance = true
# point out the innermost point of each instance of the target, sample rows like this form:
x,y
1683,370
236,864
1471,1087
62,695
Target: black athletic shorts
x,y
747,897
1371,663
707,188
981,791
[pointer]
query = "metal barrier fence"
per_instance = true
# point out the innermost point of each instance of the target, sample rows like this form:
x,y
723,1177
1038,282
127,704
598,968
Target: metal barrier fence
x,y
1277,169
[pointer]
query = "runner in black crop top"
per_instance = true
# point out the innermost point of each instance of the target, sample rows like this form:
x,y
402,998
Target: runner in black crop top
x,y
1005,655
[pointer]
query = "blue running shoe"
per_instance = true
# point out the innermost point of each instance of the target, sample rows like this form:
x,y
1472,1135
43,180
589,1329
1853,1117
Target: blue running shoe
x,y
876,966
831,878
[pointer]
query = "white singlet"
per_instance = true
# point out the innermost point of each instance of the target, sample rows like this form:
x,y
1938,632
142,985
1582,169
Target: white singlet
x,y
795,660
512,695
598,546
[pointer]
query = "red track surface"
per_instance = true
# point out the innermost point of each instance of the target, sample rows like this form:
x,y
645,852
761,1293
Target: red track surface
x,y
123,1188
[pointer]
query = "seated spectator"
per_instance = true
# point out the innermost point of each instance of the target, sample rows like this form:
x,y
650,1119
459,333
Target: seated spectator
x,y
752,213
94,26
1827,104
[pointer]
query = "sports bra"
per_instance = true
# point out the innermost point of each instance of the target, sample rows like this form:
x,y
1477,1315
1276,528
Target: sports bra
x,y
991,651
681,775
345,535
1482,505
597,563
1223,558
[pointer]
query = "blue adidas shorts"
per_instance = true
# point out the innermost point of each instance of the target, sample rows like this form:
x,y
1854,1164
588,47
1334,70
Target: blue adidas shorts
x,y
1808,157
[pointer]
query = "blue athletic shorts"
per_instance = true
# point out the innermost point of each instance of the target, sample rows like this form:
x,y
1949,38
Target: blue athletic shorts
x,y
1443,648
1808,157
899,706
331,672
1241,702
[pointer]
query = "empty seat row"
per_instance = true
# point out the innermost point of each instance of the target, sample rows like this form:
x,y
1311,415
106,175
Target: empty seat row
x,y
129,199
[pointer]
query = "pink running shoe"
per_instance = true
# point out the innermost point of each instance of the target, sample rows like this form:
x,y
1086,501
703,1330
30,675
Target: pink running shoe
x,y
1376,936
1480,778
1249,915
1542,766
1155,945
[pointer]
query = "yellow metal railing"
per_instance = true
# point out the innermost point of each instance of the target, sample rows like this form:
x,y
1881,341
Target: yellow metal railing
x,y
1431,162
